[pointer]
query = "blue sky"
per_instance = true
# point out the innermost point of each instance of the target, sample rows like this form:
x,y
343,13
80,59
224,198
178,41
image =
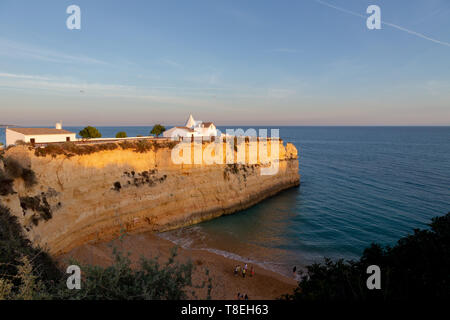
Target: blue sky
x,y
308,62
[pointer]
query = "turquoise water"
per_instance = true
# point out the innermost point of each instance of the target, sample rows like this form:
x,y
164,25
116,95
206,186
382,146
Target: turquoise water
x,y
358,185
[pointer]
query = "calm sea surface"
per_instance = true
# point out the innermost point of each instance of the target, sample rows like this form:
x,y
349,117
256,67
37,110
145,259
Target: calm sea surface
x,y
358,185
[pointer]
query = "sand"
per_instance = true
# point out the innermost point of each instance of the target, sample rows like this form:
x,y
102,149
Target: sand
x,y
264,285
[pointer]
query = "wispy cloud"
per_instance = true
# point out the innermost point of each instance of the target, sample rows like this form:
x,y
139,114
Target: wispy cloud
x,y
22,76
196,96
25,51
393,25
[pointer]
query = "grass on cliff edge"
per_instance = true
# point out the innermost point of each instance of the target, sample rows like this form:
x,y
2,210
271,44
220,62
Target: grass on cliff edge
x,y
70,149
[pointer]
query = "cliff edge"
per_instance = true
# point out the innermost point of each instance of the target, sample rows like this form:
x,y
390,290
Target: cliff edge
x,y
95,196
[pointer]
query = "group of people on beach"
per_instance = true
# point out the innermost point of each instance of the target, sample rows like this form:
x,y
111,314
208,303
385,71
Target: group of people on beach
x,y
244,270
241,296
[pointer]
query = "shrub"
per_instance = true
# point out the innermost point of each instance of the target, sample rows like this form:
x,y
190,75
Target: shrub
x,y
13,168
6,184
70,149
415,268
157,129
90,132
39,205
121,134
117,186
29,273
21,263
51,149
127,145
151,281
143,146
29,177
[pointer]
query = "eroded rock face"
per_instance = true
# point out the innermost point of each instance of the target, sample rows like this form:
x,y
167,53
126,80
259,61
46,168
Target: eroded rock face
x,y
96,197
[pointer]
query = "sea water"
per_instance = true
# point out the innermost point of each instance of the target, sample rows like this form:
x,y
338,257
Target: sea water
x,y
358,185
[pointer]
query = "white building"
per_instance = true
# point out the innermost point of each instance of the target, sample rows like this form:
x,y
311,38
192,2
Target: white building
x,y
192,129
39,135
178,132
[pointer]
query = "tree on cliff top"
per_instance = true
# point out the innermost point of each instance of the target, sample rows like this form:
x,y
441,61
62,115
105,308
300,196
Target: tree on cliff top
x,y
121,134
157,129
90,132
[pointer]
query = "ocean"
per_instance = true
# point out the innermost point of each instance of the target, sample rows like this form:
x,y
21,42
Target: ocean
x,y
358,185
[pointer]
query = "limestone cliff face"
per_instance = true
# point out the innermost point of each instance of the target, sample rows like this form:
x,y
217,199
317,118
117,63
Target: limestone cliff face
x,y
88,198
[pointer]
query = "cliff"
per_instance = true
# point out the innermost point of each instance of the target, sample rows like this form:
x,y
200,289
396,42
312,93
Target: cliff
x,y
81,198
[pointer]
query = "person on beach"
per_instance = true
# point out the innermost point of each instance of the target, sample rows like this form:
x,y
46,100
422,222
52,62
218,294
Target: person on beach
x,y
246,297
238,296
245,267
294,271
252,271
236,270
243,272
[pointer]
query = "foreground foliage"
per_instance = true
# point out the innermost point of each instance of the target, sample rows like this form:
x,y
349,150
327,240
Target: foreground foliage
x,y
417,267
28,273
151,281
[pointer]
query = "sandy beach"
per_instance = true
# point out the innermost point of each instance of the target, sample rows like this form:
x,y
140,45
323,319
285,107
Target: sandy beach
x,y
264,285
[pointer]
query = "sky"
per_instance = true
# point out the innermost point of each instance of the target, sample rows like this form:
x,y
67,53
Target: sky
x,y
304,62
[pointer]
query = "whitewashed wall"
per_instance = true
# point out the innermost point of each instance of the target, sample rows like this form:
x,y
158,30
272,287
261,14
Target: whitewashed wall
x,y
12,137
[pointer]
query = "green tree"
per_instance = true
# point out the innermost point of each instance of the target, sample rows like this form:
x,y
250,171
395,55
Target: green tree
x,y
90,132
157,129
121,134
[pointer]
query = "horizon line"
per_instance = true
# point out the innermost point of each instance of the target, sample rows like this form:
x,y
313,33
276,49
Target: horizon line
x,y
236,125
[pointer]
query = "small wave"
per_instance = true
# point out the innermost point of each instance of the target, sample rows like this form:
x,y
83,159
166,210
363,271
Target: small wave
x,y
270,266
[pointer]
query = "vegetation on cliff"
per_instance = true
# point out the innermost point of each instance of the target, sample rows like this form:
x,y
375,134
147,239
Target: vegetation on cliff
x,y
14,170
70,149
416,268
28,273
